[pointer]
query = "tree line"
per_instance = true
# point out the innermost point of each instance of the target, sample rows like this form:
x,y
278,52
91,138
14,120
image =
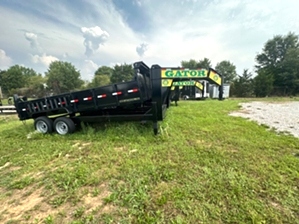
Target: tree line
x,y
276,69
60,77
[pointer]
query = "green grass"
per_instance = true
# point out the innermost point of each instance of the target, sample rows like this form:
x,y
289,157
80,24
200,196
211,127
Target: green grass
x,y
4,101
204,167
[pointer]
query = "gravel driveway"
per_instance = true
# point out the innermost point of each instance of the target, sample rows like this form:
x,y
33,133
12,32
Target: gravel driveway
x,y
283,116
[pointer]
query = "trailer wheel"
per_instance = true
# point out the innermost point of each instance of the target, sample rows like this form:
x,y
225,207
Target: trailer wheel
x,y
43,125
64,125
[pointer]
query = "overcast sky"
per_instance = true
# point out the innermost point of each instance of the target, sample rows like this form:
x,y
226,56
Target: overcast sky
x,y
90,33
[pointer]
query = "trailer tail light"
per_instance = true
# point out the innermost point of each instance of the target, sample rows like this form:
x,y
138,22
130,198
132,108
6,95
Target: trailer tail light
x,y
87,98
62,103
75,101
102,96
132,90
116,93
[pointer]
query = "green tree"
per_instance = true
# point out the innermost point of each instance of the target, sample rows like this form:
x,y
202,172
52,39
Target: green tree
x,y
263,84
279,58
102,77
227,70
193,64
104,70
1,74
63,77
37,86
242,86
275,49
16,77
289,77
99,80
34,87
205,63
122,73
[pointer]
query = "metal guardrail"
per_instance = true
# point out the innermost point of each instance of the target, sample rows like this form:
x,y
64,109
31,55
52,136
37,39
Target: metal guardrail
x,y
8,109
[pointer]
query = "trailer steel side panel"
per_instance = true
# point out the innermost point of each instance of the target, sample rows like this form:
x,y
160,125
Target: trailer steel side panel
x,y
110,96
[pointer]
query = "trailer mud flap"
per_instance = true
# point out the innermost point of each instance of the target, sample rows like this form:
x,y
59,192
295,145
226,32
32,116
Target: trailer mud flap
x,y
155,117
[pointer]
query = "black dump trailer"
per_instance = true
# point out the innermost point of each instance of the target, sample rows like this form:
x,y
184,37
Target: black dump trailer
x,y
145,98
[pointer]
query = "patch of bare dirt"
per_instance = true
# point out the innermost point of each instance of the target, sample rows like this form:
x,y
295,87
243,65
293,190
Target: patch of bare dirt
x,y
28,205
19,202
94,200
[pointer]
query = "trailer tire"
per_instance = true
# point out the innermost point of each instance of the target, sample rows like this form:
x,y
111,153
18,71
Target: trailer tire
x,y
43,125
64,125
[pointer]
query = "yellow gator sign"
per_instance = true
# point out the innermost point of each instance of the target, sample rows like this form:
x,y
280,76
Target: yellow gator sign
x,y
184,83
184,73
199,85
190,73
173,87
215,77
166,82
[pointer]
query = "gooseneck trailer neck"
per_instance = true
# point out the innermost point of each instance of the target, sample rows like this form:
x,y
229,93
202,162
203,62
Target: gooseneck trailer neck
x,y
145,98
168,76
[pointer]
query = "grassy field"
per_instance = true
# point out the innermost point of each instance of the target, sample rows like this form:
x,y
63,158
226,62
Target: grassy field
x,y
204,167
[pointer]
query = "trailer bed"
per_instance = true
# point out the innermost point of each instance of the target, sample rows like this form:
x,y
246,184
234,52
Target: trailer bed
x,y
94,101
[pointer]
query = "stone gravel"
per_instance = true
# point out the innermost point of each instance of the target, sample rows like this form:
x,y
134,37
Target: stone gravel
x,y
282,116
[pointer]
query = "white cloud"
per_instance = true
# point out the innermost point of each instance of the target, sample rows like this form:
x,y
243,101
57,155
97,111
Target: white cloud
x,y
112,64
32,38
94,37
44,59
141,49
232,30
5,61
65,55
88,69
137,2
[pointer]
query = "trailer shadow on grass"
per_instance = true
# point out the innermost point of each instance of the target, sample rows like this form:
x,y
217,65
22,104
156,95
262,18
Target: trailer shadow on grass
x,y
21,130
116,127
